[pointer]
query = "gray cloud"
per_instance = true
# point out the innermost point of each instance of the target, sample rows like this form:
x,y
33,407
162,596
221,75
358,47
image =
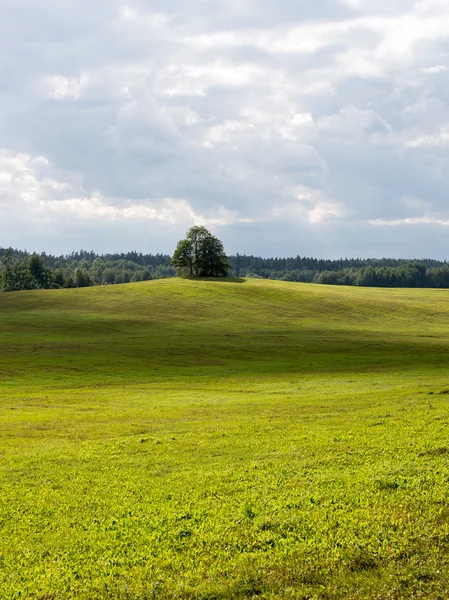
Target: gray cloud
x,y
315,127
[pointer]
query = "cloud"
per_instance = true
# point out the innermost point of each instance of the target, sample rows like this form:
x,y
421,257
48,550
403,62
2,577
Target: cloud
x,y
59,86
327,118
411,221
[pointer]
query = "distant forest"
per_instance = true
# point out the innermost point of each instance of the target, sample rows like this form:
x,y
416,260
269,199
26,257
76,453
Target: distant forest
x,y
20,270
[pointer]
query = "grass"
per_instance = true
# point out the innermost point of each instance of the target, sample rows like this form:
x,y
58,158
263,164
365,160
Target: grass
x,y
214,440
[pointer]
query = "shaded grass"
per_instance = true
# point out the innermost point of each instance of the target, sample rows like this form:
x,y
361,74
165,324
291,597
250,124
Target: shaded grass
x,y
185,439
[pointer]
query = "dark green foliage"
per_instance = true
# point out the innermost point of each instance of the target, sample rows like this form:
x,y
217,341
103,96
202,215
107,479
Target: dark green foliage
x,y
58,277
39,272
366,273
22,271
23,278
200,254
8,278
27,274
184,258
82,278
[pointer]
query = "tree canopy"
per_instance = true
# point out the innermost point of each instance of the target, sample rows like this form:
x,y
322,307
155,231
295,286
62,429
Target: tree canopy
x,y
21,270
200,254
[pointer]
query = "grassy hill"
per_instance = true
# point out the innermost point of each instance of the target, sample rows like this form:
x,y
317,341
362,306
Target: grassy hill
x,y
232,439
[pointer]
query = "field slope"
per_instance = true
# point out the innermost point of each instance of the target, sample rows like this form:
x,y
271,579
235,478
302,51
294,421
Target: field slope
x,y
224,439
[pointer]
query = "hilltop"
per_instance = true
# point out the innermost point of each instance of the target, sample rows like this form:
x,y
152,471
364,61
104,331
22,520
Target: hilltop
x,y
218,328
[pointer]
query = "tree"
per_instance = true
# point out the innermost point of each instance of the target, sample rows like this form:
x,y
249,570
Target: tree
x,y
200,254
82,278
9,282
58,278
39,272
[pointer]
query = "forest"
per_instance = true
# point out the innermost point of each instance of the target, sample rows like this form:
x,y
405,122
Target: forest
x,y
21,270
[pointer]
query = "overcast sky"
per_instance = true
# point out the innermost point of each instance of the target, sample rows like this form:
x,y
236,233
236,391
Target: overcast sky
x,y
311,127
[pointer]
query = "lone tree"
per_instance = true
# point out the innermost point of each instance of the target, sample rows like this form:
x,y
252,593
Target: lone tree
x,y
200,254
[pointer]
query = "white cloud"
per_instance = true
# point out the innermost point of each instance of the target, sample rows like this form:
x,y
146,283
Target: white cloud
x,y
311,205
28,187
410,221
60,86
441,138
434,69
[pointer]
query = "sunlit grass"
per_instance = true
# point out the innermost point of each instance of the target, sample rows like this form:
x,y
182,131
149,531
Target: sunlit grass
x,y
199,439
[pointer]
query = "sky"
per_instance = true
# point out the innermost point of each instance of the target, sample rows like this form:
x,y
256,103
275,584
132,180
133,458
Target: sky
x,y
286,127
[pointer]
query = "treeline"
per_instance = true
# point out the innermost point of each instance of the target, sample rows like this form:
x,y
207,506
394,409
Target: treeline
x,y
411,275
258,264
383,272
20,270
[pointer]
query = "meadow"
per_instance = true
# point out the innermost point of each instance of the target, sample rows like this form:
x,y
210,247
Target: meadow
x,y
224,439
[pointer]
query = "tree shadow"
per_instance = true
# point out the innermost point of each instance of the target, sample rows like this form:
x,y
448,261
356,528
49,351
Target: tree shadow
x,y
218,279
230,279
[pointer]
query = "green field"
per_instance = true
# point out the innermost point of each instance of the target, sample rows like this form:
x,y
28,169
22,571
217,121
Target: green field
x,y
214,440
